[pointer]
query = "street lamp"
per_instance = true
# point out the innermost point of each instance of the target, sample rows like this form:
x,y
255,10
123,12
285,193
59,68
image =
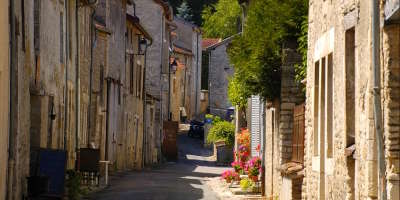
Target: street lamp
x,y
142,47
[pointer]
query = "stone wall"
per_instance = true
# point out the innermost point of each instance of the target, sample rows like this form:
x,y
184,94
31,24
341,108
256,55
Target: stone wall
x,y
279,127
219,72
4,105
324,175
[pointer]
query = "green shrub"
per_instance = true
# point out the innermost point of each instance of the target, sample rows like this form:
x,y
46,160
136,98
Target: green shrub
x,y
222,131
215,119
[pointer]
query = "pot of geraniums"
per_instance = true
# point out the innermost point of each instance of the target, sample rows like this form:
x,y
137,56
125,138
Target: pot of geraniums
x,y
229,176
253,168
238,166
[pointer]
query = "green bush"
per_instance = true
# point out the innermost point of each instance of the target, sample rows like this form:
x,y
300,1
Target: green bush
x,y
215,119
222,131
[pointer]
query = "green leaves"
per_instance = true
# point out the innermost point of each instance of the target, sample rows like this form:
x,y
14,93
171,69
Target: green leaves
x,y
222,131
221,20
257,53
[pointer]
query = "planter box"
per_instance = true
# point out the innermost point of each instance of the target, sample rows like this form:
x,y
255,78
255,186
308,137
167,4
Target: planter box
x,y
224,153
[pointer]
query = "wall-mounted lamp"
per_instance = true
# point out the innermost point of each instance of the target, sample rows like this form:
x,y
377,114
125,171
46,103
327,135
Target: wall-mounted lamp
x,y
142,47
174,66
52,112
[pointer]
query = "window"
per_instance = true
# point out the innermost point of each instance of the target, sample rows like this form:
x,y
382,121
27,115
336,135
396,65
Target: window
x,y
36,22
323,96
350,86
139,81
131,72
61,38
23,23
323,106
101,84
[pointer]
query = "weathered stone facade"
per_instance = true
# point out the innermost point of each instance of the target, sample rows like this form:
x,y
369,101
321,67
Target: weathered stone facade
x,y
219,72
279,128
156,18
341,152
185,90
5,95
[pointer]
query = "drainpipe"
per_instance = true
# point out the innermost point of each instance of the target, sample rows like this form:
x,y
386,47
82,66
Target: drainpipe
x,y
377,99
145,102
66,74
13,54
77,85
197,74
107,118
93,40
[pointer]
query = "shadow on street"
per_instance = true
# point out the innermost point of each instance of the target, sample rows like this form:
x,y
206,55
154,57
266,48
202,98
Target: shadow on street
x,y
184,179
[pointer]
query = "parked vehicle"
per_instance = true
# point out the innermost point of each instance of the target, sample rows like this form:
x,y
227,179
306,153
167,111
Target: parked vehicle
x,y
196,129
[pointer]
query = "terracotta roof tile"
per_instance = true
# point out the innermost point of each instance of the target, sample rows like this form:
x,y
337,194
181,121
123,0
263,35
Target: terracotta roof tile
x,y
207,42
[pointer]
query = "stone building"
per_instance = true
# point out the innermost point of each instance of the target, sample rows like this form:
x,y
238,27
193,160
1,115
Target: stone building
x,y
186,81
284,135
134,94
220,70
341,152
181,84
156,17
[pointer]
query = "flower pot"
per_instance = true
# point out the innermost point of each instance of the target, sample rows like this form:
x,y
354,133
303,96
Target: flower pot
x,y
228,180
253,178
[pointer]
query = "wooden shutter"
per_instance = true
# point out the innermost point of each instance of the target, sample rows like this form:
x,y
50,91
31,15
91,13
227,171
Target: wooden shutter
x,y
298,134
255,125
36,22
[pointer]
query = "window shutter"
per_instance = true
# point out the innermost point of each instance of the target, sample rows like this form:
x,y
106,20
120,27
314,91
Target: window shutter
x,y
298,134
255,125
36,22
61,38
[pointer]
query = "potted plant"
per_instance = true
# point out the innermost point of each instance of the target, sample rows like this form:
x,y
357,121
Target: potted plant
x,y
229,176
253,168
238,167
222,134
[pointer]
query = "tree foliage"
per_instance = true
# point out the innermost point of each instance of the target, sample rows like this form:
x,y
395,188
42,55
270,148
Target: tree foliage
x,y
185,12
256,54
301,69
196,6
222,19
236,93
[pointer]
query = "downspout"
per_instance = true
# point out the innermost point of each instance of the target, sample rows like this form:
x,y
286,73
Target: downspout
x,y
107,118
377,99
145,102
66,74
77,85
209,83
144,106
93,41
197,74
12,69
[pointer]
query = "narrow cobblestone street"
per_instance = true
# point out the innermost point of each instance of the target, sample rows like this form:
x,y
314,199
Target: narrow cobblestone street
x,y
185,179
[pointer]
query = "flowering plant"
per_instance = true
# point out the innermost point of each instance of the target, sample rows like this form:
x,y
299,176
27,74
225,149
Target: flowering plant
x,y
238,166
253,168
230,175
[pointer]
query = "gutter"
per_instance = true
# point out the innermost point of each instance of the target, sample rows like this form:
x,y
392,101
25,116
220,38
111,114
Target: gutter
x,y
197,74
377,99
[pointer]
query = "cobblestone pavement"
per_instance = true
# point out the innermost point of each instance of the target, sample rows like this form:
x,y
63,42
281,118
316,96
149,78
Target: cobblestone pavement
x,y
185,179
